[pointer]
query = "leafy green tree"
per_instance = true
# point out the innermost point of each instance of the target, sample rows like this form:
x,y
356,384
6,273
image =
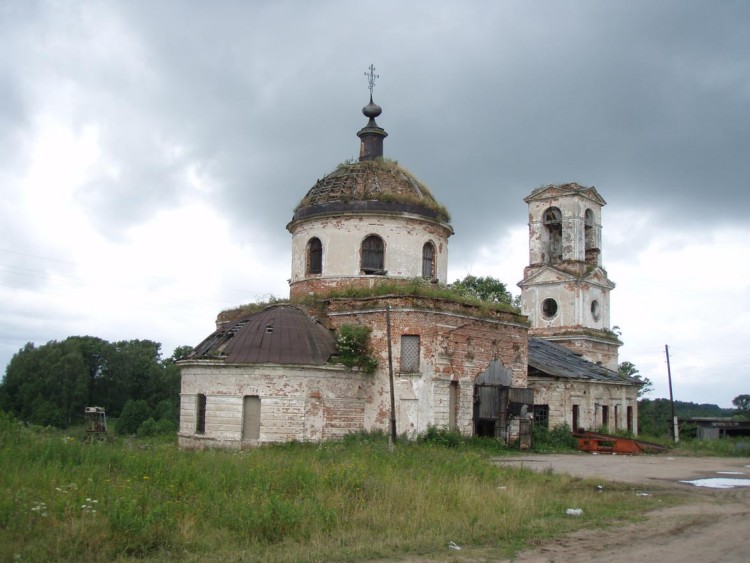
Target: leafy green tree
x,y
46,385
134,413
147,428
742,403
483,288
627,370
51,384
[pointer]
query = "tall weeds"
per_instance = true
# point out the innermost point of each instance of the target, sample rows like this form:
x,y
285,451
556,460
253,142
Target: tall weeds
x,y
63,500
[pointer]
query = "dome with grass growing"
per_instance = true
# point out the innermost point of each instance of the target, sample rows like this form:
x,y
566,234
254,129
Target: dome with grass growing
x,y
370,186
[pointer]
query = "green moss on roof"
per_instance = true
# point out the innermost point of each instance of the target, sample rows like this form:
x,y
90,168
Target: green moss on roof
x,y
380,179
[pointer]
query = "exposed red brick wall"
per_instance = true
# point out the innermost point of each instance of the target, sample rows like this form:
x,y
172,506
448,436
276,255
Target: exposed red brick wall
x,y
454,343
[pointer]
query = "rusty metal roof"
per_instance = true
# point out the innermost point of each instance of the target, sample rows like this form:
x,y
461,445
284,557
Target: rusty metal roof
x,y
553,359
280,334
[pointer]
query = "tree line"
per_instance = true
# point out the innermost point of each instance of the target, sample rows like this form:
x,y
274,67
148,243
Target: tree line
x,y
51,384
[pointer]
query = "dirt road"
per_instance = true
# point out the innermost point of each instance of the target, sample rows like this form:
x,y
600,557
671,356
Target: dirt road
x,y
712,525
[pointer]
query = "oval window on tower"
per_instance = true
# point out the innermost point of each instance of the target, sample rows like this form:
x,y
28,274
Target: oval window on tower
x,y
549,308
596,310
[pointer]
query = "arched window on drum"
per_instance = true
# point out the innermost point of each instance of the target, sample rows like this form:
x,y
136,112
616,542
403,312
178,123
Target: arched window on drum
x,y
314,256
373,256
428,261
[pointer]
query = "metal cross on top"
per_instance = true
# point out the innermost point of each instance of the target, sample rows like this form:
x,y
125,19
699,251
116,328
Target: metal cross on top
x,y
371,76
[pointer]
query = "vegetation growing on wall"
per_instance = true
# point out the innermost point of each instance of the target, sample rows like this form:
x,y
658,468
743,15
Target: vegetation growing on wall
x,y
419,287
353,348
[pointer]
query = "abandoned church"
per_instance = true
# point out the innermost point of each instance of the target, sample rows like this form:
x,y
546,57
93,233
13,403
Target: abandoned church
x,y
370,259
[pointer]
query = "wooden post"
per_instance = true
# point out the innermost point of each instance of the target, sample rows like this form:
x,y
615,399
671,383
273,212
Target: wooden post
x,y
392,435
675,435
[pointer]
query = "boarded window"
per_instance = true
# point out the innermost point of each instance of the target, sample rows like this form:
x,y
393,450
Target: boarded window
x,y
251,417
200,415
428,261
314,256
409,353
541,415
373,255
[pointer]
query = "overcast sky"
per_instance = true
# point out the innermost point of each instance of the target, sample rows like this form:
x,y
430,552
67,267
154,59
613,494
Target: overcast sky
x,y
151,154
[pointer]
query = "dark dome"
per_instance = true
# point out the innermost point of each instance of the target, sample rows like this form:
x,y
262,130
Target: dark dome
x,y
280,334
371,185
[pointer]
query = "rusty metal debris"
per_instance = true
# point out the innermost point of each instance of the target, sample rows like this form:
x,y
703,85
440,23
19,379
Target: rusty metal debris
x,y
607,444
96,423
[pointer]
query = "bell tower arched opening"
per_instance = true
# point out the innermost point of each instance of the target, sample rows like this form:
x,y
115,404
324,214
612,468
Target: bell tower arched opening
x,y
552,220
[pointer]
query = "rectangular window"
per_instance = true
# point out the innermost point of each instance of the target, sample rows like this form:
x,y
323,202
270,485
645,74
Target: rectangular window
x,y
617,417
576,418
605,415
541,415
200,415
409,353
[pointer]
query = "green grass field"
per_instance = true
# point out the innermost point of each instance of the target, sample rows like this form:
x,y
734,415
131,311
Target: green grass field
x,y
130,499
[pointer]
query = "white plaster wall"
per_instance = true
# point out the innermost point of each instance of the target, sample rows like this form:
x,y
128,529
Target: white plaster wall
x,y
574,299
341,237
297,402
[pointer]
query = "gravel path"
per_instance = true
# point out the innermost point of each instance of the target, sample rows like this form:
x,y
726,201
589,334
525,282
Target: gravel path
x,y
713,525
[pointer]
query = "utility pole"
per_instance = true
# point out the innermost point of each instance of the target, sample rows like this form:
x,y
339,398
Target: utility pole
x,y
671,397
392,436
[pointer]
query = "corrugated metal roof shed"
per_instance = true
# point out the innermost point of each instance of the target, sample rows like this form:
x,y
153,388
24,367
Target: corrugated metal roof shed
x,y
552,359
280,334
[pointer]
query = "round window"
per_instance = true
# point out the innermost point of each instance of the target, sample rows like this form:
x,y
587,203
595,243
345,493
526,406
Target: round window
x,y
549,308
596,310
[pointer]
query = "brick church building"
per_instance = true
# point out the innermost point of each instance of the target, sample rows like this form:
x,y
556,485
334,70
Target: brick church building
x,y
370,249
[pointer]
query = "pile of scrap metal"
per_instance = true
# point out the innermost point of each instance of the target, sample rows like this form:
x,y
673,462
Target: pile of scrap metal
x,y
607,444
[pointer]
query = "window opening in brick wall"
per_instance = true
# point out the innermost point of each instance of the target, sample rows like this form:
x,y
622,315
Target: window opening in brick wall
x,y
409,353
605,415
428,261
541,415
314,256
200,415
373,255
629,421
576,418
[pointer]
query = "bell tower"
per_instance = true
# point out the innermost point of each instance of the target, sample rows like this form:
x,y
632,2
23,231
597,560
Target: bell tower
x,y
565,290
